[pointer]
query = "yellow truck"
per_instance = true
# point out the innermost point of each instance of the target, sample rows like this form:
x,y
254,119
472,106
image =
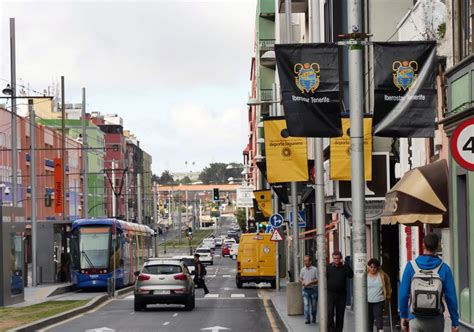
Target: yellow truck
x,y
256,260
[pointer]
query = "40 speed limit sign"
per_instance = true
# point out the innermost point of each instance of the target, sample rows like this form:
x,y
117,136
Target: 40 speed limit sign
x,y
462,144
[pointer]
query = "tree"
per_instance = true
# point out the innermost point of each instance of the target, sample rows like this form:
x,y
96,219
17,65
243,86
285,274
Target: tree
x,y
166,179
218,173
185,180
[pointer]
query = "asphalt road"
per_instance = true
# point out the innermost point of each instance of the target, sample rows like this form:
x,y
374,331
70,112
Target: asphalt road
x,y
226,307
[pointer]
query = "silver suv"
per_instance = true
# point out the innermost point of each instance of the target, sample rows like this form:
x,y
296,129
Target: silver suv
x,y
164,281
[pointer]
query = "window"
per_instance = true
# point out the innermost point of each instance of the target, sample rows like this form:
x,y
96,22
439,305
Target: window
x,y
463,234
162,269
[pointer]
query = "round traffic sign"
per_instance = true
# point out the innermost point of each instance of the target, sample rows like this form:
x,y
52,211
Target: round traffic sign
x,y
276,220
462,144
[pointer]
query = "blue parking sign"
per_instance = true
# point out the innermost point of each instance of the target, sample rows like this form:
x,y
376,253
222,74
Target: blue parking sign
x,y
276,220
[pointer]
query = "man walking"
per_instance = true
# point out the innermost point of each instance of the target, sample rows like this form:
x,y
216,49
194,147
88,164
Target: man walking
x,y
309,283
425,282
199,273
337,275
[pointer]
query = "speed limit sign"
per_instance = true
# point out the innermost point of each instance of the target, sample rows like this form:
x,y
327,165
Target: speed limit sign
x,y
462,144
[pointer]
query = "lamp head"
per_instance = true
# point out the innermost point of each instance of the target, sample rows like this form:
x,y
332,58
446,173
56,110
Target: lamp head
x,y
8,90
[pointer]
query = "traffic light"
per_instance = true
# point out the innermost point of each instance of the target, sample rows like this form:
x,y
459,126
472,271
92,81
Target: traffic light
x,y
47,200
216,194
190,231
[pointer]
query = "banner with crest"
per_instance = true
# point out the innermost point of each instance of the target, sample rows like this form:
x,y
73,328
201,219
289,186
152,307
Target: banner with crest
x,y
309,79
286,156
405,92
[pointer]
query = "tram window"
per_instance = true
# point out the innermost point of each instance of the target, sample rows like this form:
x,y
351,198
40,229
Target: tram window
x,y
162,269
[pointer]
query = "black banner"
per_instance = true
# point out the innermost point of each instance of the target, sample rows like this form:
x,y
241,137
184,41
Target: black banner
x,y
405,93
309,78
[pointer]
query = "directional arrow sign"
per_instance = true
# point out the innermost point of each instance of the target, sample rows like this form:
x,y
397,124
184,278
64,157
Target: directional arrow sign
x,y
276,236
215,328
276,220
101,329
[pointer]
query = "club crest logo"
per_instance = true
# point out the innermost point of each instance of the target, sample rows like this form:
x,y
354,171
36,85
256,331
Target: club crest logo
x,y
286,152
404,74
308,76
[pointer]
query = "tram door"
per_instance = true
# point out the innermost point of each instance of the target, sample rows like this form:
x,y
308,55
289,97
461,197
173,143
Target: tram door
x,y
61,253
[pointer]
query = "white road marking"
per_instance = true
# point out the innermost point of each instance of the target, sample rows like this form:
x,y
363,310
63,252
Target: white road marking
x,y
130,297
211,295
165,323
176,314
227,298
226,276
237,295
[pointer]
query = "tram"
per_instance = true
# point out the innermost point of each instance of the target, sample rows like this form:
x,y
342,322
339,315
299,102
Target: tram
x,y
108,248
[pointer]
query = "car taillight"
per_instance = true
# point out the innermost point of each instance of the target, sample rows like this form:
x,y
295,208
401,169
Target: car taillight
x,y
178,291
180,277
142,277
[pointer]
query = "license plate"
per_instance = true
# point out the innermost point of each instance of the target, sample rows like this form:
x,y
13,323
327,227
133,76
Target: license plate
x,y
161,292
250,270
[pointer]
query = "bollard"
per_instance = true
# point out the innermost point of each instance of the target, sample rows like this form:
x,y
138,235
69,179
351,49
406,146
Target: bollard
x,y
39,275
294,298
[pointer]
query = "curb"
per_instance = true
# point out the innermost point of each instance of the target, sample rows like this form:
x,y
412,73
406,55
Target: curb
x,y
95,302
277,313
62,290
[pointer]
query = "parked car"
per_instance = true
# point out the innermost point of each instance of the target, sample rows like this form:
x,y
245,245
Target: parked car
x,y
225,250
188,261
209,242
164,281
234,250
205,255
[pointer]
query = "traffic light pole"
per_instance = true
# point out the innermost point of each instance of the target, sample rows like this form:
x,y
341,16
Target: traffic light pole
x,y
34,226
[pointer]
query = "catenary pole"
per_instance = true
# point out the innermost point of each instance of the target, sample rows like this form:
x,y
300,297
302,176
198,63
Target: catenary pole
x,y
85,163
315,37
294,198
274,112
63,146
139,198
13,114
114,197
34,225
356,102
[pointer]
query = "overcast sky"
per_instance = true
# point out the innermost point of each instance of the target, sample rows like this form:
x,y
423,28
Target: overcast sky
x,y
177,72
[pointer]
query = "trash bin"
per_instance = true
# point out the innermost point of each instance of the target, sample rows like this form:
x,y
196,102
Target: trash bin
x,y
294,298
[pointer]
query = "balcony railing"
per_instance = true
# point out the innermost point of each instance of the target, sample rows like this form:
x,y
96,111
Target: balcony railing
x,y
266,45
266,94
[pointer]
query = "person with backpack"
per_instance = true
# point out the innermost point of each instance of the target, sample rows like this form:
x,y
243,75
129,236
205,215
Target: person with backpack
x,y
425,282
199,273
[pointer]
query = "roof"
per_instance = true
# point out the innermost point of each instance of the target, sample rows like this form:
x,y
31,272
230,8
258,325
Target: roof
x,y
200,187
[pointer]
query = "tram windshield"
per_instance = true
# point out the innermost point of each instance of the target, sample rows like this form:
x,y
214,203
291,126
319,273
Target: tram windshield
x,y
94,247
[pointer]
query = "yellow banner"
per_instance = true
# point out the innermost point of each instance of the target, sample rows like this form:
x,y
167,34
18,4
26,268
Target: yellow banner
x,y
264,201
340,159
287,157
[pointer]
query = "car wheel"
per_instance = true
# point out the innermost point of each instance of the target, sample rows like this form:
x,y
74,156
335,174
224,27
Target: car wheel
x,y
138,306
238,282
190,303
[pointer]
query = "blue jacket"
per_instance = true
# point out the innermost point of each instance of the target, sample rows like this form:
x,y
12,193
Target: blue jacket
x,y
449,289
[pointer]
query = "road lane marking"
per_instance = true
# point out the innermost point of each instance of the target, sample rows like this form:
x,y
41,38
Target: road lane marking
x,y
227,298
268,310
226,276
130,297
237,295
211,295
176,314
166,323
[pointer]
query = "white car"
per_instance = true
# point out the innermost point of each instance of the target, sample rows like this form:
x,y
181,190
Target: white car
x,y
205,255
188,261
229,242
234,250
209,242
218,241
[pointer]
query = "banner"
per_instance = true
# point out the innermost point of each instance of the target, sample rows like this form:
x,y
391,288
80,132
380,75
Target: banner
x,y
286,156
340,150
264,201
405,94
244,197
309,79
58,185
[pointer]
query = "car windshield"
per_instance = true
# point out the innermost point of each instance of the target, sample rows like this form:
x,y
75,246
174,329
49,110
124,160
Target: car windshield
x,y
94,247
202,251
162,269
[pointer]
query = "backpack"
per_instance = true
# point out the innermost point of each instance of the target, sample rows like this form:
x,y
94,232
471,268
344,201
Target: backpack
x,y
203,270
426,291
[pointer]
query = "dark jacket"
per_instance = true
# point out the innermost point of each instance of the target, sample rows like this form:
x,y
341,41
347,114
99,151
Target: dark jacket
x,y
337,277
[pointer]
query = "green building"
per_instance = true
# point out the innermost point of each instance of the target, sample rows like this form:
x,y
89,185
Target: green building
x,y
96,153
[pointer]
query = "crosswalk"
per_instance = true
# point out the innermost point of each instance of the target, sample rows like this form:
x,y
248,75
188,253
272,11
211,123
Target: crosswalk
x,y
209,296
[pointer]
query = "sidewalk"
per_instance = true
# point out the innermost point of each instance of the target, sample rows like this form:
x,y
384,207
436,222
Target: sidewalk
x,y
296,323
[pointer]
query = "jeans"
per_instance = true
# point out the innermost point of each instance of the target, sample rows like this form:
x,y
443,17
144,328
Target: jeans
x,y
310,298
376,313
431,324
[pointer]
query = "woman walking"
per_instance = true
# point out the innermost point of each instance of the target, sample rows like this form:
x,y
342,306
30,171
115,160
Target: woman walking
x,y
378,290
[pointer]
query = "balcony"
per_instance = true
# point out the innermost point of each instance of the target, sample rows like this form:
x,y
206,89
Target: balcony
x,y
266,94
266,9
266,45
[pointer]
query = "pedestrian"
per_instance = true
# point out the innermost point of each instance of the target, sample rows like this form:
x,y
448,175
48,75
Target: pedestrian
x,y
337,275
309,284
379,290
199,273
426,280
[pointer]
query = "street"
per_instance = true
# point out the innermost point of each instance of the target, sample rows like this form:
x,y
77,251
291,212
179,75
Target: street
x,y
225,306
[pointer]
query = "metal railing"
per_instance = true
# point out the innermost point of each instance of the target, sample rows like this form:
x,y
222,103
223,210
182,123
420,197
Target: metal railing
x,y
266,45
266,94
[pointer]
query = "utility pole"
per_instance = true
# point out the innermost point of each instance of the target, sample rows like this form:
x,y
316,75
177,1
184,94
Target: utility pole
x,y
155,219
356,102
13,119
85,159
114,197
315,37
34,225
139,199
63,145
127,208
274,112
294,198
179,216
186,193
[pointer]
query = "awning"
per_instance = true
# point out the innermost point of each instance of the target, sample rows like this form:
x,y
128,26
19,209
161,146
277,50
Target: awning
x,y
421,196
